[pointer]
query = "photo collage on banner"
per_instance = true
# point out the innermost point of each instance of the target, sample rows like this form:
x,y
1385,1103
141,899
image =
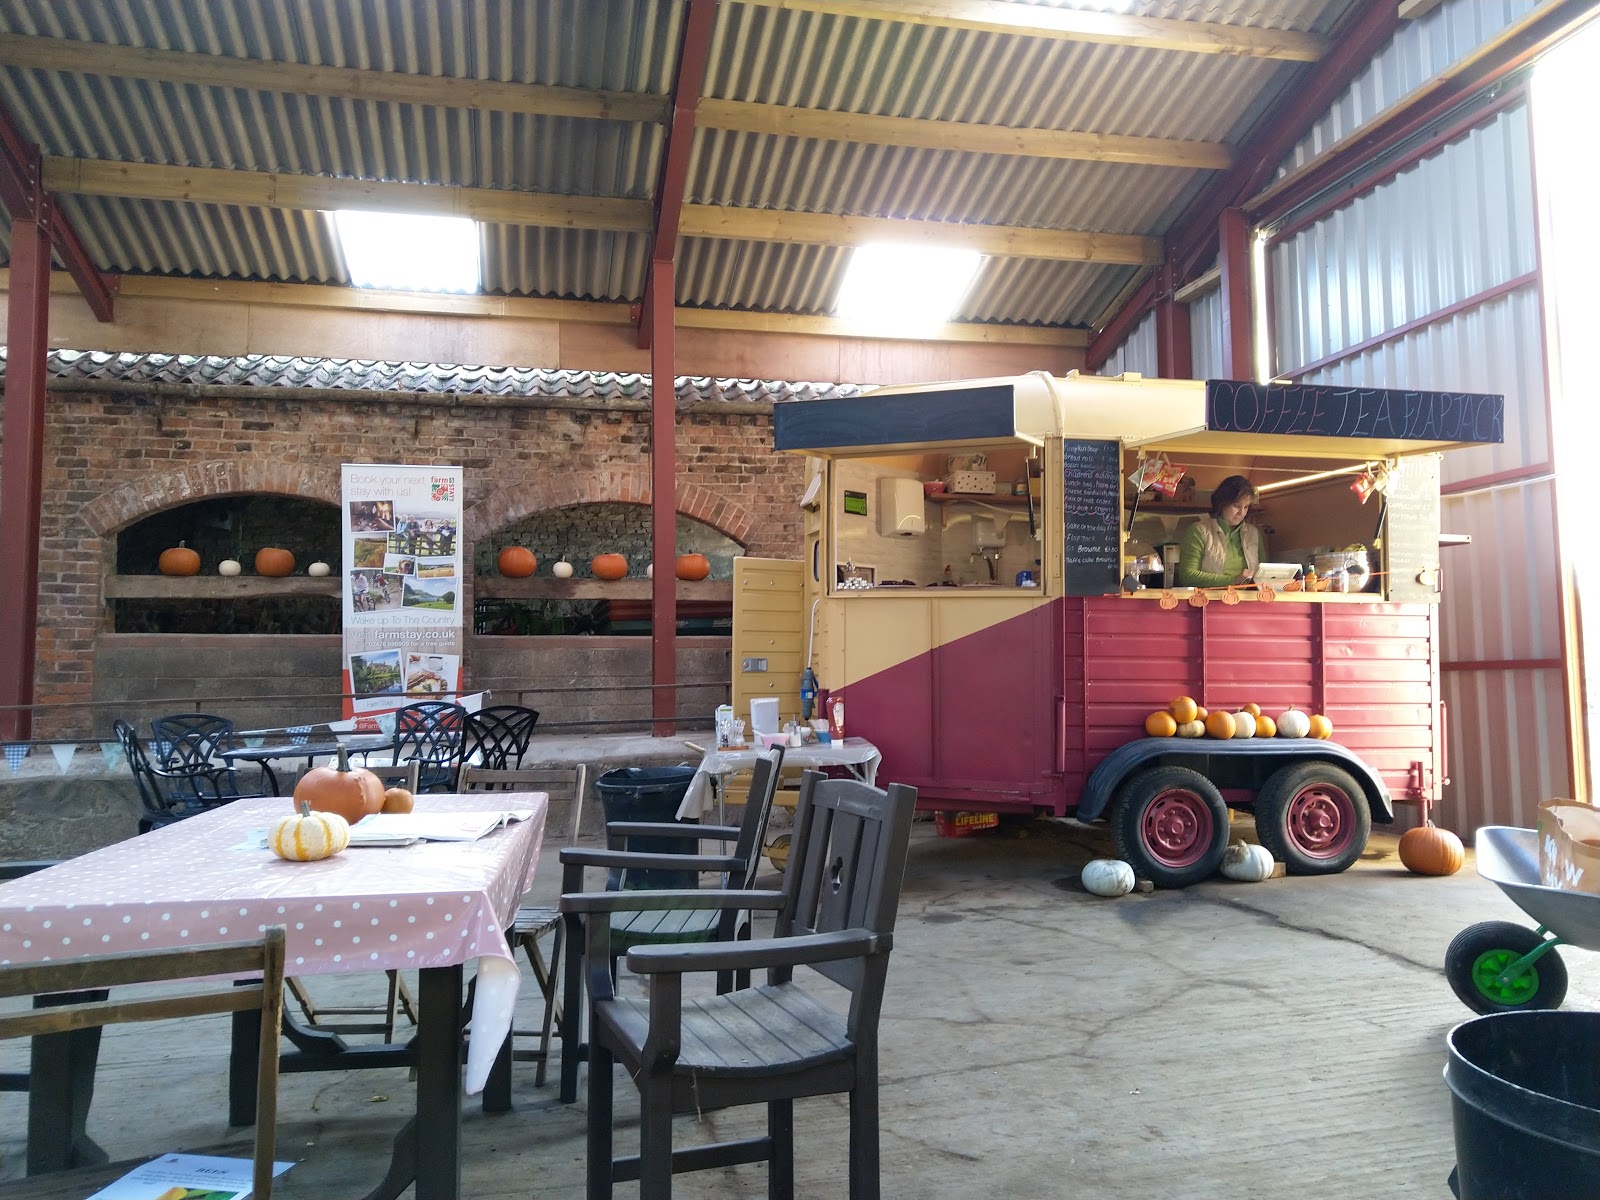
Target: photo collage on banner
x,y
403,619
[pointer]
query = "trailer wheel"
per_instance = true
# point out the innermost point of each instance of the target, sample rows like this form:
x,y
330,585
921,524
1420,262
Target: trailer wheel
x,y
1313,816
1477,960
1171,825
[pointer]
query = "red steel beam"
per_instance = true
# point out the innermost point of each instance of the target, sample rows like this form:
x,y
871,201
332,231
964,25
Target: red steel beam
x,y
19,183
1233,255
1174,347
690,81
1432,103
22,463
1352,48
663,509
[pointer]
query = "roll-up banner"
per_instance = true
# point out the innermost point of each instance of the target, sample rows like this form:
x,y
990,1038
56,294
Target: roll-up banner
x,y
403,621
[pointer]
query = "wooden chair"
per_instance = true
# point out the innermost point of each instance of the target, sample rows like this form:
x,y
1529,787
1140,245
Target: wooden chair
x,y
768,1044
498,736
155,966
399,1000
534,921
684,921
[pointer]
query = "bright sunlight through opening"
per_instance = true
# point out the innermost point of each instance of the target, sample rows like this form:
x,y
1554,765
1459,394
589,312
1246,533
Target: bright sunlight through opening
x,y
1566,94
408,252
905,289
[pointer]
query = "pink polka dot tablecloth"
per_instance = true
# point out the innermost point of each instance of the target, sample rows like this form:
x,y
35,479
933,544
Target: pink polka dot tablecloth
x,y
205,879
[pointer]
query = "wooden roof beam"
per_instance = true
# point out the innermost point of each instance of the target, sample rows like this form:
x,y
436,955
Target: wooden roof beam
x,y
1074,25
262,189
344,83
782,121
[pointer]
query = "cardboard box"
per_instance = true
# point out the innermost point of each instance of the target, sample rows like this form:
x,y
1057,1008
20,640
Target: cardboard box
x,y
972,483
964,824
1569,845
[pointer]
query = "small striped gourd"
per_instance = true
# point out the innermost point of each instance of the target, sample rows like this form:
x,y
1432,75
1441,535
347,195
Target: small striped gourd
x,y
307,836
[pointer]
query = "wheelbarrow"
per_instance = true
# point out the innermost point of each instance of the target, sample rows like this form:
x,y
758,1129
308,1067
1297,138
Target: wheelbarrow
x,y
1499,966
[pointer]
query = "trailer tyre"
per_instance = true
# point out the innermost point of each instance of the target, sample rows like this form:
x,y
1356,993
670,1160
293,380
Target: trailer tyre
x,y
1314,818
1171,825
1477,960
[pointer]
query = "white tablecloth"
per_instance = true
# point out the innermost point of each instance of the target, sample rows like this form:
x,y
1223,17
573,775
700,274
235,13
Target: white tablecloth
x,y
860,755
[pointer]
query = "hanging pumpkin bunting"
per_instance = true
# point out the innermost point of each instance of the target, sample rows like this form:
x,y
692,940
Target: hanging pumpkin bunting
x,y
1169,599
1265,593
1198,599
1231,596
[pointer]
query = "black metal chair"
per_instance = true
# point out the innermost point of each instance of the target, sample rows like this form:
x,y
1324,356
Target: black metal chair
x,y
534,921
190,744
685,921
165,796
768,1044
498,736
434,733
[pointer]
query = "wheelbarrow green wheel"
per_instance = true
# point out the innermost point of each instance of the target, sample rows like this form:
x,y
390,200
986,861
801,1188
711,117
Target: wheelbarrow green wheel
x,y
1477,962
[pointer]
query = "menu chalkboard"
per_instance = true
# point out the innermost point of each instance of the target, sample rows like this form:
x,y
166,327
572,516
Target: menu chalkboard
x,y
1411,528
1092,503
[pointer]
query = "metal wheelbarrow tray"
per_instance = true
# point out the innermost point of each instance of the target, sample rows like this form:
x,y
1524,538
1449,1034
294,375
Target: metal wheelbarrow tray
x,y
1499,966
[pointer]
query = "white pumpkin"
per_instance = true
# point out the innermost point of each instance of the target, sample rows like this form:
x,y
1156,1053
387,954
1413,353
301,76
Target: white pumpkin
x,y
1194,728
307,836
1108,877
229,566
1294,723
649,570
562,570
318,569
1244,724
1247,862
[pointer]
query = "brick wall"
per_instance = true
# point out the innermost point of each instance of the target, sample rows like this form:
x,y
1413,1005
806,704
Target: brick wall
x,y
114,457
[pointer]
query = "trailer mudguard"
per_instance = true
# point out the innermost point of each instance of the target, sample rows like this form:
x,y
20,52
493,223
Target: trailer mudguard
x,y
1111,770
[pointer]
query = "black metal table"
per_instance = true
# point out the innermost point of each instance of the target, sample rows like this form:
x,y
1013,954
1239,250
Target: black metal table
x,y
262,755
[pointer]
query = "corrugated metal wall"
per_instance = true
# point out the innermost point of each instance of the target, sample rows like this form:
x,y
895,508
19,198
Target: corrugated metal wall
x,y
1448,245
1137,352
1205,335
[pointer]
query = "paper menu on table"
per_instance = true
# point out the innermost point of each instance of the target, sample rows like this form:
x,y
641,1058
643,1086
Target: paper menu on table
x,y
400,829
186,1177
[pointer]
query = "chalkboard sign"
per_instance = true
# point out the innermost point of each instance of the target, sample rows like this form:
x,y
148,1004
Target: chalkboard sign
x,y
1318,410
1092,475
1411,529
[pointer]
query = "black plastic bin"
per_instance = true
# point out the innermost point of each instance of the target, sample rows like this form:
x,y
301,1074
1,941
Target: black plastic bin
x,y
1526,1106
650,794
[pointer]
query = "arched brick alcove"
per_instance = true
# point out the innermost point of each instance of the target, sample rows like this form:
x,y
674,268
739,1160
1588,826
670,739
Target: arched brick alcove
x,y
124,505
628,485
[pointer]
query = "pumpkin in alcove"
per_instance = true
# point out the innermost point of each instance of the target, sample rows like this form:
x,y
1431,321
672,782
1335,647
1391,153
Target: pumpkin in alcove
x,y
179,560
693,566
1429,850
229,567
609,566
307,836
517,562
274,562
352,792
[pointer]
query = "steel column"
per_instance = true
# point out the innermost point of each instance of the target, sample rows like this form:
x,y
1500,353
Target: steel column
x,y
663,506
1234,258
22,464
1174,348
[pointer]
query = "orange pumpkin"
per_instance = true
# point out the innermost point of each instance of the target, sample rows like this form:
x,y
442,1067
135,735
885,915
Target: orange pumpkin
x,y
1253,709
1202,713
1266,726
609,566
398,800
1160,724
1220,724
1320,727
1429,850
180,560
352,792
692,566
517,562
274,562
1184,710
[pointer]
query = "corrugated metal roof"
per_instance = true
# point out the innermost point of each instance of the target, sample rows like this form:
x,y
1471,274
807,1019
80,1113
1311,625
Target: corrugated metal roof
x,y
278,371
846,64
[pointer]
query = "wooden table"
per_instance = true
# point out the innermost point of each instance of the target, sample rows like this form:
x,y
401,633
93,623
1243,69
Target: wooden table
x,y
431,907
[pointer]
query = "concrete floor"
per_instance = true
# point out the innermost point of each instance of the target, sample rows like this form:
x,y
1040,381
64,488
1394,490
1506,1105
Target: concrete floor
x,y
1227,1041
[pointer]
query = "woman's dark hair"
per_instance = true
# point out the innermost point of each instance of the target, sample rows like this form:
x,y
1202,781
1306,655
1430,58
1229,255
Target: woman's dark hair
x,y
1230,491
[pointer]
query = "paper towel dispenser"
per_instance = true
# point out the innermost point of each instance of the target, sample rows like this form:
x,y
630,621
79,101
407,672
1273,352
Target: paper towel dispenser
x,y
900,507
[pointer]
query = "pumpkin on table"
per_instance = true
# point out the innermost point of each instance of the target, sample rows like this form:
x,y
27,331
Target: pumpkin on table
x,y
398,800
307,836
352,792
